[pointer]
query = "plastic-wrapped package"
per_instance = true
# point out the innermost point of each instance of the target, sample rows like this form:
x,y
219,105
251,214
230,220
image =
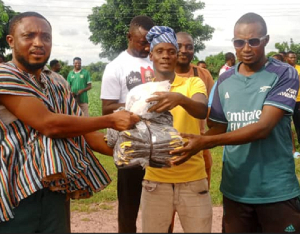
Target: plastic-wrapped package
x,y
148,144
150,141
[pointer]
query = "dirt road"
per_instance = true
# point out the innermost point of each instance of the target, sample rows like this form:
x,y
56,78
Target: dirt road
x,y
105,220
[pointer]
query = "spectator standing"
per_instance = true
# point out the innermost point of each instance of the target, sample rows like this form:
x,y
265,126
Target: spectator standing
x,y
278,57
2,58
184,68
53,73
80,82
121,75
291,58
251,114
202,64
283,53
229,62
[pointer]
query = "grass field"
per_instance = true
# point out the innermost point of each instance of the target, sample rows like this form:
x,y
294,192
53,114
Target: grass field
x,y
110,193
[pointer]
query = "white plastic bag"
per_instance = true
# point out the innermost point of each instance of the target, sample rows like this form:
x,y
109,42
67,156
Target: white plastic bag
x,y
136,98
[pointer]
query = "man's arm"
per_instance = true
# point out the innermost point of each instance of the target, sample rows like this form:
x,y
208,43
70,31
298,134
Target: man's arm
x,y
96,141
87,88
216,135
196,106
108,106
34,113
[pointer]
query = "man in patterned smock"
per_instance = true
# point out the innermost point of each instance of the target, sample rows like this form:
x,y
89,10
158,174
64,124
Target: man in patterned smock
x,y
46,147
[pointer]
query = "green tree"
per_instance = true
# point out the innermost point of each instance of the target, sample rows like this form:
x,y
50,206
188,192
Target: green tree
x,y
214,63
6,13
65,68
271,53
96,70
109,22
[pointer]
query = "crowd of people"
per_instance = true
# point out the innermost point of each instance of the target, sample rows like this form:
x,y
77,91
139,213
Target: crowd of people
x,y
48,138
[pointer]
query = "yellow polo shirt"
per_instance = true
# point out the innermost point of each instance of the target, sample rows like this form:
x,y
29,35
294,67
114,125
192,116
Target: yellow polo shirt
x,y
194,168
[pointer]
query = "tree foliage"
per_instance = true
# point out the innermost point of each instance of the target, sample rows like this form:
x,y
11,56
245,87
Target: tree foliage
x,y
271,53
292,46
214,63
96,70
109,22
6,13
65,68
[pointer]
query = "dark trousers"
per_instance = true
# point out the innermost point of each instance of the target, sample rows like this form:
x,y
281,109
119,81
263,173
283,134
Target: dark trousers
x,y
129,188
278,217
43,211
68,214
296,120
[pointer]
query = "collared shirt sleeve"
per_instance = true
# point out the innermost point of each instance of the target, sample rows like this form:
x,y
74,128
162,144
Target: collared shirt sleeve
x,y
284,92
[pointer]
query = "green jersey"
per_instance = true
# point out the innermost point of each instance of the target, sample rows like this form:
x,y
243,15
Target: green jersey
x,y
79,80
262,171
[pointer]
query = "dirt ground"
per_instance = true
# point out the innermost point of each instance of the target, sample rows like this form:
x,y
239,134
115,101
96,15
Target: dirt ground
x,y
105,220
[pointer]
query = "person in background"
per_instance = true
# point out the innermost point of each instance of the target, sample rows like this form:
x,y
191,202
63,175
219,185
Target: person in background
x,y
202,64
229,62
278,57
251,114
291,58
283,53
184,68
2,58
80,82
120,76
46,145
295,153
182,189
54,75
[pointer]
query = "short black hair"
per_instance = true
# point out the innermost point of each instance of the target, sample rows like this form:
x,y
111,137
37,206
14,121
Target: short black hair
x,y
251,17
53,62
229,56
282,52
289,52
201,61
17,19
76,58
141,21
2,56
279,57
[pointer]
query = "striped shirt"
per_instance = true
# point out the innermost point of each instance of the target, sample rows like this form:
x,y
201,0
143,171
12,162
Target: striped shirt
x,y
31,161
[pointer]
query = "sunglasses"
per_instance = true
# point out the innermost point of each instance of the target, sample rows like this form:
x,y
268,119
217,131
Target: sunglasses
x,y
253,42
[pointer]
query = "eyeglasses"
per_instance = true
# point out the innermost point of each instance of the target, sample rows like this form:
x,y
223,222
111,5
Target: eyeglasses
x,y
253,42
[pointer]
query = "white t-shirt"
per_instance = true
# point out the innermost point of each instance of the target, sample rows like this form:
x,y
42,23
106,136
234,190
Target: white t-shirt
x,y
124,73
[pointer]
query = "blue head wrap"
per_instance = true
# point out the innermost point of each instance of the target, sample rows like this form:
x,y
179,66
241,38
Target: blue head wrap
x,y
159,34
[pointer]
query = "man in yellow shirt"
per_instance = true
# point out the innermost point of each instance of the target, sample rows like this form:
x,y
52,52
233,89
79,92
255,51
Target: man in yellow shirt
x,y
184,188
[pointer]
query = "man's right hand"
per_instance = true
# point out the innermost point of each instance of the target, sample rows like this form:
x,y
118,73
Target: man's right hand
x,y
124,120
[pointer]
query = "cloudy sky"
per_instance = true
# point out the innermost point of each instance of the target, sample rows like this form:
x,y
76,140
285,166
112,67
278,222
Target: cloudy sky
x,y
71,32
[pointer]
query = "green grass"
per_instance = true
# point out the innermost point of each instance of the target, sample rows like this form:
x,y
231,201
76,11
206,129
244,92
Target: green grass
x,y
110,193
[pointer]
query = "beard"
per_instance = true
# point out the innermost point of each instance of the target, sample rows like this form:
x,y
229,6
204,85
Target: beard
x,y
30,66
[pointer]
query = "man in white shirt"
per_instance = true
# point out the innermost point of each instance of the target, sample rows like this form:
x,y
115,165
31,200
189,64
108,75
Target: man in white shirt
x,y
120,75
